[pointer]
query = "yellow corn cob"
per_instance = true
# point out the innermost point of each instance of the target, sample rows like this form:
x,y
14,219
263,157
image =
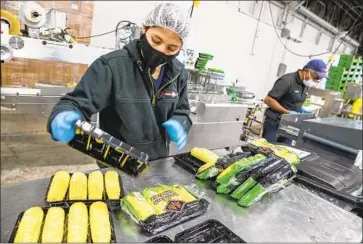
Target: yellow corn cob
x,y
78,186
204,155
95,185
77,223
100,223
54,225
112,183
58,187
30,225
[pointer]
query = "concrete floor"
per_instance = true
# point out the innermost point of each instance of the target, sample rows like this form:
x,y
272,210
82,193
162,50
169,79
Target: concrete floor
x,y
28,153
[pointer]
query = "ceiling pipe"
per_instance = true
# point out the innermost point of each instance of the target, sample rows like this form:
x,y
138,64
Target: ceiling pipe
x,y
326,25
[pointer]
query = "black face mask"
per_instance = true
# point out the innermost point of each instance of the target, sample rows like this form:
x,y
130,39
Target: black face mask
x,y
152,58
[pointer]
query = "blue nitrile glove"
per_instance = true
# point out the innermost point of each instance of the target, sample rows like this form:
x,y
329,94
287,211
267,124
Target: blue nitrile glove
x,y
176,132
292,112
63,128
304,111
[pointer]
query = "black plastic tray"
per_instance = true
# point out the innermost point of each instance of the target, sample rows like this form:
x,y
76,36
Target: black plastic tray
x,y
188,162
113,204
340,180
192,164
45,209
159,239
210,231
100,145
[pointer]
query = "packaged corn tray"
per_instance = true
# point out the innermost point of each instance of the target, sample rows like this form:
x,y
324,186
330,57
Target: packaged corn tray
x,y
214,164
160,207
243,175
261,145
249,179
76,223
273,182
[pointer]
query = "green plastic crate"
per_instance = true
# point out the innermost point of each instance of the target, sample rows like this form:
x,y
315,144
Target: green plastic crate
x,y
345,61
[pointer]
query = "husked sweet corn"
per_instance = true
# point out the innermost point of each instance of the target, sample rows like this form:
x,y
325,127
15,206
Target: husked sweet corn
x,y
95,185
78,186
100,223
58,187
112,183
77,227
204,155
30,226
53,229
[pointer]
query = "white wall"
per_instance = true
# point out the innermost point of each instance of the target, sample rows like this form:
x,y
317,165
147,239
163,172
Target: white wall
x,y
219,28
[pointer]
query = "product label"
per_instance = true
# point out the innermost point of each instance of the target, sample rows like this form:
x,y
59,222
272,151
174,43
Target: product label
x,y
174,206
164,196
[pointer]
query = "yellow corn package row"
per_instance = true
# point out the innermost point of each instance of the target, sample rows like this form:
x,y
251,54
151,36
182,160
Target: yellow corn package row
x,y
96,187
78,221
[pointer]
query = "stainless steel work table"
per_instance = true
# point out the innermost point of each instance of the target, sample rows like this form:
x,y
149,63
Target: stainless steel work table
x,y
292,214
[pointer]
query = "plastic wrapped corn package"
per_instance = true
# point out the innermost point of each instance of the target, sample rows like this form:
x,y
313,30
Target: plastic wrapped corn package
x,y
228,174
242,176
262,146
160,207
211,170
273,182
257,175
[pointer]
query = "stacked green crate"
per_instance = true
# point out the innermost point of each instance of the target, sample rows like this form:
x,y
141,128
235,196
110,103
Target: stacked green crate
x,y
348,70
202,61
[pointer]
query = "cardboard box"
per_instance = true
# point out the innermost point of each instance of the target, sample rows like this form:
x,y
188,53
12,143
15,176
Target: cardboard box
x,y
81,26
26,72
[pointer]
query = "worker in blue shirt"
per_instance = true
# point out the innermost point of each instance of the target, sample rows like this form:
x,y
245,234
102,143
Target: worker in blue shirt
x,y
288,95
140,92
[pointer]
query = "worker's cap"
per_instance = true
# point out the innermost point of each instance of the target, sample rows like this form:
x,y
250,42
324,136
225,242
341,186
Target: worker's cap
x,y
319,66
171,16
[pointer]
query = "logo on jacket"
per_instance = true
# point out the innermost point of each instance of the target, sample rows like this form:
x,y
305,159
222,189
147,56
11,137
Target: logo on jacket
x,y
170,94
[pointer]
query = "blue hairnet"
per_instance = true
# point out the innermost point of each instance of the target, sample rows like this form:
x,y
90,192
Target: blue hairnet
x,y
169,15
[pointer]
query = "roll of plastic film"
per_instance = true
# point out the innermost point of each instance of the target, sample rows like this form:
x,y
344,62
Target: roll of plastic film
x,y
12,21
6,53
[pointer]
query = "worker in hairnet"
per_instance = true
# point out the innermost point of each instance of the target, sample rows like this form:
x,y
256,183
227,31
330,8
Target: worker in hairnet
x,y
140,91
287,96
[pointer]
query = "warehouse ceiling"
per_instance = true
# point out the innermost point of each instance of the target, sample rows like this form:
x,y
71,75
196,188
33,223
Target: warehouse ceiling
x,y
346,15
343,14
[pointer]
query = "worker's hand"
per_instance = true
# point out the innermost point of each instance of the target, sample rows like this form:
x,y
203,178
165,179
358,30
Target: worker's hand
x,y
176,132
304,111
63,128
292,112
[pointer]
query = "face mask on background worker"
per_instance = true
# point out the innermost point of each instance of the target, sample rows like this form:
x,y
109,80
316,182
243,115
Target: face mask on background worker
x,y
313,71
309,81
166,28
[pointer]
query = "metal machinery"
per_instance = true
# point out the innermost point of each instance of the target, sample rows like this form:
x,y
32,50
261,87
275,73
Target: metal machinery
x,y
217,122
125,32
333,138
39,101
330,103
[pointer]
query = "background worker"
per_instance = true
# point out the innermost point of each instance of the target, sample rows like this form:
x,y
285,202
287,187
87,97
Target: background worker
x,y
288,94
140,91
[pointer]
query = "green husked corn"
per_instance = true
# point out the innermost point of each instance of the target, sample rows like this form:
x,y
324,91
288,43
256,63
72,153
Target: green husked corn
x,y
252,196
244,188
137,205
